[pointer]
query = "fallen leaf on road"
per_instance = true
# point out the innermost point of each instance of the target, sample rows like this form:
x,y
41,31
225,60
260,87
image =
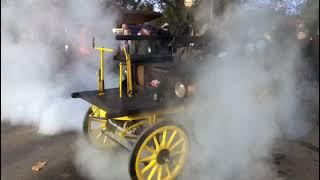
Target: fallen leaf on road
x,y
38,166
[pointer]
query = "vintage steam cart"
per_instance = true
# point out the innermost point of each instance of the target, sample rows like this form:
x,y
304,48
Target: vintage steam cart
x,y
139,123
133,116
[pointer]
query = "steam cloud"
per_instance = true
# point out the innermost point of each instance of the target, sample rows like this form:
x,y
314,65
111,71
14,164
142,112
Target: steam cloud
x,y
245,106
247,101
36,78
101,165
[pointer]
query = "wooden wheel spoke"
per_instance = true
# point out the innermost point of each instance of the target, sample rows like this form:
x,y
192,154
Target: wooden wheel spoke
x,y
172,163
155,140
176,153
150,165
159,173
102,126
163,140
99,135
166,167
171,138
105,139
152,151
152,172
149,158
175,144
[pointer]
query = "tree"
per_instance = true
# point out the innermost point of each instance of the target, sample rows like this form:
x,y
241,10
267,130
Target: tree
x,y
124,4
175,12
310,16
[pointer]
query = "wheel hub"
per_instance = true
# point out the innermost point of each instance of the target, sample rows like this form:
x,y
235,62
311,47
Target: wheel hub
x,y
163,156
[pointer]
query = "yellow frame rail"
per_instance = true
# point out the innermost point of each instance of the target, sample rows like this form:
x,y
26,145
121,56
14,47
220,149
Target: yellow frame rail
x,y
120,79
129,73
101,69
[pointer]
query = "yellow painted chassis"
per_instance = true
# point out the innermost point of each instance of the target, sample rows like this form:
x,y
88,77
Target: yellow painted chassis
x,y
148,118
151,121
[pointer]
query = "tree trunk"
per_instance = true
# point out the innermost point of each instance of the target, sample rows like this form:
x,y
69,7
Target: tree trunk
x,y
220,6
125,4
181,9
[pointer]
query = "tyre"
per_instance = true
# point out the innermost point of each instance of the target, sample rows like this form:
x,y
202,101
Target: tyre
x,y
160,152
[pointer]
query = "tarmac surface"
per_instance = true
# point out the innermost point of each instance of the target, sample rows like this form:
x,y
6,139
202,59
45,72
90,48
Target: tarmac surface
x,y
22,147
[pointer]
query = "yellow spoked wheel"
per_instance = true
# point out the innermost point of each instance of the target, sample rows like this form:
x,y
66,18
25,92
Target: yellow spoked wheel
x,y
94,130
160,152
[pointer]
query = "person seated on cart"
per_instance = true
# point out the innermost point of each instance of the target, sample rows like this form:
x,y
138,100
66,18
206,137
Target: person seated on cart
x,y
128,44
141,47
164,44
145,47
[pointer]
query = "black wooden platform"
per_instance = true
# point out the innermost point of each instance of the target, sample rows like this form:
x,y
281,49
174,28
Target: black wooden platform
x,y
116,106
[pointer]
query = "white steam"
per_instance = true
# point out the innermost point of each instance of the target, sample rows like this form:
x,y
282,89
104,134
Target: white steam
x,y
101,165
246,102
36,78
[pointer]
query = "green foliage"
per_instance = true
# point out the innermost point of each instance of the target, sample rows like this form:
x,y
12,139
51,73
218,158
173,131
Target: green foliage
x,y
174,11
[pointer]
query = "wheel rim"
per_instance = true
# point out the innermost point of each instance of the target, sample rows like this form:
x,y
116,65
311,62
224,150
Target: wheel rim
x,y
97,133
163,154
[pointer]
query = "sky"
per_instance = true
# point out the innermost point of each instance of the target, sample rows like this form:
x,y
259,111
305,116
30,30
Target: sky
x,y
291,7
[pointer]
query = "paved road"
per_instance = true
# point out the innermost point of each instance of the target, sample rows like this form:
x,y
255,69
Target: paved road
x,y
22,147
301,160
